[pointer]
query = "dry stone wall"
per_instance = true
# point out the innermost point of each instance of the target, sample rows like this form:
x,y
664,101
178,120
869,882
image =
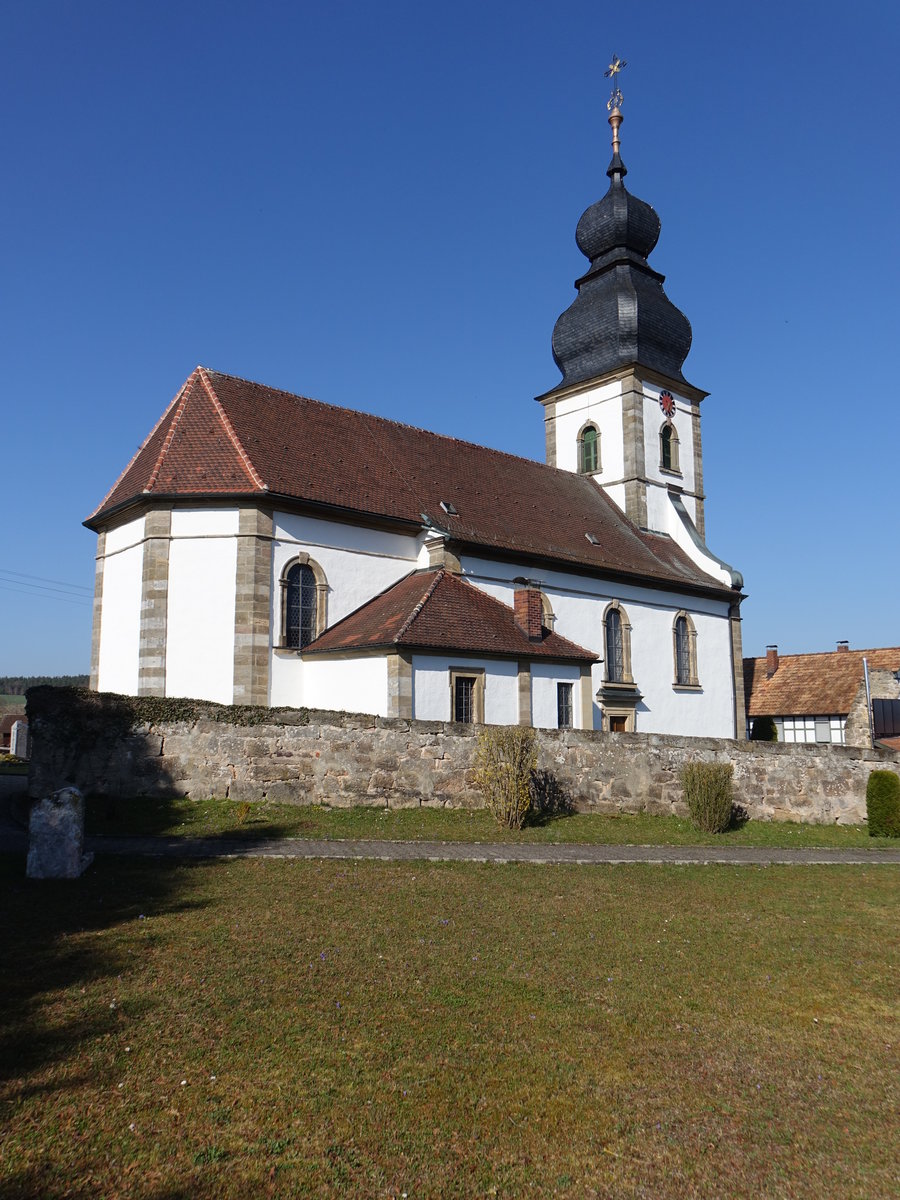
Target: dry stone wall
x,y
341,759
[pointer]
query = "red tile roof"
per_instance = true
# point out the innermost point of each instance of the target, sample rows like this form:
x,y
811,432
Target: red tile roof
x,y
223,436
436,610
810,685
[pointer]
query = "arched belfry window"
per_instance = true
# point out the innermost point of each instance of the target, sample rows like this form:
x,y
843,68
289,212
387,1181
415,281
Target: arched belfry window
x,y
668,447
589,450
303,596
684,638
617,644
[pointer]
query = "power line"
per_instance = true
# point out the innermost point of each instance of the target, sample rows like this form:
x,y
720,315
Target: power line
x,y
62,582
9,586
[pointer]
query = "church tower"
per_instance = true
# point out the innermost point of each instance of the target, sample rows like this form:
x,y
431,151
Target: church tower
x,y
624,412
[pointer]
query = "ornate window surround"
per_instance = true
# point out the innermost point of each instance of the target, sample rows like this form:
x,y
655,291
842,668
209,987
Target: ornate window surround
x,y
625,626
584,467
302,559
692,682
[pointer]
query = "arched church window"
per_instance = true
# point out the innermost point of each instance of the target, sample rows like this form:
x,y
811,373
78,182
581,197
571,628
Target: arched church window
x,y
303,593
617,644
685,647
668,447
589,450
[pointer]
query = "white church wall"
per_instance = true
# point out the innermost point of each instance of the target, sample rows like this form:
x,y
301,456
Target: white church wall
x,y
431,687
347,684
120,621
201,598
544,678
658,507
601,406
358,564
579,603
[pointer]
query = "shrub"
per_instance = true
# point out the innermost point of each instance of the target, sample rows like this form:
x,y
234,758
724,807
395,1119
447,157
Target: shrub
x,y
708,794
505,758
883,804
764,729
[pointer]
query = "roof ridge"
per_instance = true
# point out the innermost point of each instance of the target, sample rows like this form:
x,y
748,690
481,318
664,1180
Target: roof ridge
x,y
175,399
359,412
439,575
167,440
246,461
825,653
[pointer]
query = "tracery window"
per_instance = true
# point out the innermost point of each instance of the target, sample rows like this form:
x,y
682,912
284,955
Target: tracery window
x,y
303,595
617,644
685,651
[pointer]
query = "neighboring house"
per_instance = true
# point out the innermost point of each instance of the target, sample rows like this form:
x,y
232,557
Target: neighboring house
x,y
822,697
266,548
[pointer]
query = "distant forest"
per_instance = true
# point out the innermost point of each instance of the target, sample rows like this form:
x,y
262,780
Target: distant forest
x,y
18,685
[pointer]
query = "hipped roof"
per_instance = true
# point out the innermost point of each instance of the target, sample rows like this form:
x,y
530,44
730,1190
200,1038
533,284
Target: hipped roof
x,y
223,437
810,685
437,610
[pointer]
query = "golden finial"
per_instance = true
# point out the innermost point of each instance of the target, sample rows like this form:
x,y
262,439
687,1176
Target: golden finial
x,y
615,67
615,99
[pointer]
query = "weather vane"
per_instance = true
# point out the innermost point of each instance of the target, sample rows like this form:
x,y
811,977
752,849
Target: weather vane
x,y
614,68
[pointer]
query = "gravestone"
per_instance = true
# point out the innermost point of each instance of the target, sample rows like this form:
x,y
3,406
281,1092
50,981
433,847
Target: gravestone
x,y
18,739
56,837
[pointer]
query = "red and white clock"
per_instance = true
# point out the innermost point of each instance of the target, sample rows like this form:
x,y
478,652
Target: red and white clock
x,y
667,403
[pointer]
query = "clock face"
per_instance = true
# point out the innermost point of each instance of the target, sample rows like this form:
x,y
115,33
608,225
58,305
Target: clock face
x,y
667,403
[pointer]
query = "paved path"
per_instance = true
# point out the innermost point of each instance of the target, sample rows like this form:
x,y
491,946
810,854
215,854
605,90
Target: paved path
x,y
490,852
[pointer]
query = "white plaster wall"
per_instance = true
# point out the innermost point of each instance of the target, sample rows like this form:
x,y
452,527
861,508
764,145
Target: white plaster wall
x,y
654,419
120,617
358,564
579,603
202,569
603,407
346,684
544,678
431,687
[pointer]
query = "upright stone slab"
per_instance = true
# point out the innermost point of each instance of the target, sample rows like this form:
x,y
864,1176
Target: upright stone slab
x,y
18,739
56,837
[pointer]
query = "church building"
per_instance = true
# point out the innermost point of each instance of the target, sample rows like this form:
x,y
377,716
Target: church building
x,y
265,548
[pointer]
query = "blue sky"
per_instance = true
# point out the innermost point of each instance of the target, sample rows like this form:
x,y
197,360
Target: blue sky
x,y
375,205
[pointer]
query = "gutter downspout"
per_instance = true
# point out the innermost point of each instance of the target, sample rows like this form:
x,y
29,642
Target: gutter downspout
x,y
869,702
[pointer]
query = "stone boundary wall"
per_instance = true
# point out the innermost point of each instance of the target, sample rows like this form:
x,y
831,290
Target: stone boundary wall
x,y
341,759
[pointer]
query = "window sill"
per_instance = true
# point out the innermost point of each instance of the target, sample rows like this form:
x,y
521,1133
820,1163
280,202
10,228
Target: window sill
x,y
686,687
287,651
670,471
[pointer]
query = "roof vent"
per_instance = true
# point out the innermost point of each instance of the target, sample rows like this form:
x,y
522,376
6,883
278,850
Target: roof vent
x,y
593,539
450,508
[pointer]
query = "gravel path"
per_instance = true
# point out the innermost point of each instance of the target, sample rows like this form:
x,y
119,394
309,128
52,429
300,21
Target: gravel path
x,y
15,841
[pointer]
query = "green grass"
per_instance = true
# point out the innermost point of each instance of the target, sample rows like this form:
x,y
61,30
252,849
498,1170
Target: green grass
x,y
204,818
13,768
332,1029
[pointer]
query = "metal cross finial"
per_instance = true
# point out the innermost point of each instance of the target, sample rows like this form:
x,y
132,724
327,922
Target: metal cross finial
x,y
615,67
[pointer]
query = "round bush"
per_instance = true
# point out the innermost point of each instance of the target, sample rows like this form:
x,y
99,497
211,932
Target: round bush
x,y
764,729
883,804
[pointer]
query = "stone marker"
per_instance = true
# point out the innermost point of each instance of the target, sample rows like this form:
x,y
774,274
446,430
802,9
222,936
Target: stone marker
x,y
56,837
18,739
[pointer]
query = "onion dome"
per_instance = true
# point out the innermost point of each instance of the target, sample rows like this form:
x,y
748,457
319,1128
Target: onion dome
x,y
621,315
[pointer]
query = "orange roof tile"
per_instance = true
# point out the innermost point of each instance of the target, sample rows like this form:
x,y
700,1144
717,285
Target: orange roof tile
x,y
809,685
436,610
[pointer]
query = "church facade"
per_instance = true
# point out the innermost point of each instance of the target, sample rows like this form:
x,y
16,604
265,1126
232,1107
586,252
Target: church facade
x,y
265,548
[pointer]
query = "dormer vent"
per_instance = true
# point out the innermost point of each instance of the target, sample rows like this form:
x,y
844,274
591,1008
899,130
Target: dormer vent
x,y
449,508
593,539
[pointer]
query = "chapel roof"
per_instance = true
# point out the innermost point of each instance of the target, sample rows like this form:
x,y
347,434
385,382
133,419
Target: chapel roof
x,y
437,610
810,685
225,437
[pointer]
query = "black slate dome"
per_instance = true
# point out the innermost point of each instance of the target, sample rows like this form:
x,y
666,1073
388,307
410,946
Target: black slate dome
x,y
621,315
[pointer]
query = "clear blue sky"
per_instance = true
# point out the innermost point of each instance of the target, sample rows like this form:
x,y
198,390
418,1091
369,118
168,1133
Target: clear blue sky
x,y
375,205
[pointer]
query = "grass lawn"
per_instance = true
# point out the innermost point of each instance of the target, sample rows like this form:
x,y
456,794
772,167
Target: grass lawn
x,y
295,1028
203,818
